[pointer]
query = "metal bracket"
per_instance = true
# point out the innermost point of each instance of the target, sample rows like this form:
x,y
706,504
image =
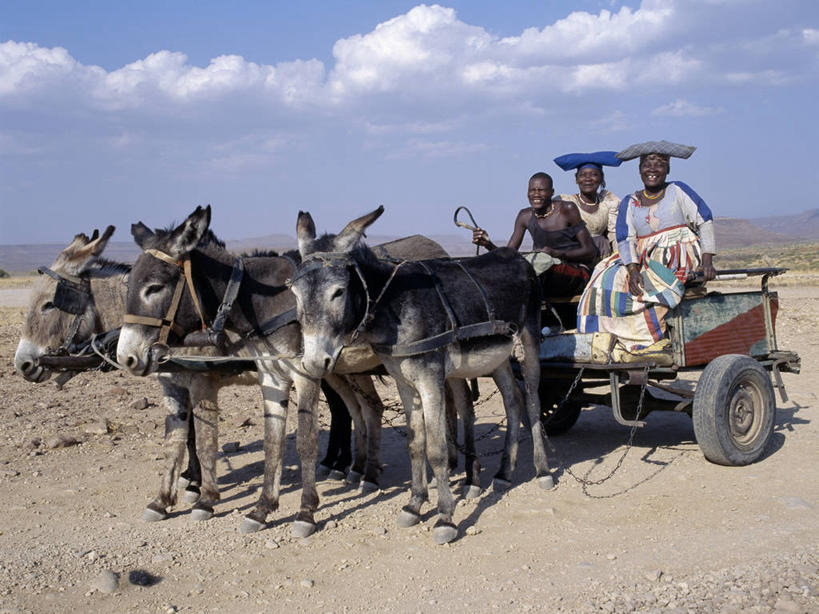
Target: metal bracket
x,y
778,383
614,381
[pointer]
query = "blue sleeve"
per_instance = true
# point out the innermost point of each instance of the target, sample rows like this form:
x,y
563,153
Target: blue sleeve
x,y
622,220
703,209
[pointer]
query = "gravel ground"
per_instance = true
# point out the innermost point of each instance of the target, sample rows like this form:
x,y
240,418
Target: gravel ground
x,y
669,532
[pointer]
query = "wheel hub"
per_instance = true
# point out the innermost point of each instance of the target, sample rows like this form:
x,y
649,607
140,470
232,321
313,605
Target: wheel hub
x,y
744,404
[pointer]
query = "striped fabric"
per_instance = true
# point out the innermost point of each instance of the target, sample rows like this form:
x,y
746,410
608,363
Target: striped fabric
x,y
665,259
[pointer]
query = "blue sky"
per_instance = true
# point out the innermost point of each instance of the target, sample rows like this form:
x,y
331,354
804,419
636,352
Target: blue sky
x,y
116,112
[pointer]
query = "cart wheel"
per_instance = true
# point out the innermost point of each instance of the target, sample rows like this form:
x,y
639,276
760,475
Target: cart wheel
x,y
556,422
734,410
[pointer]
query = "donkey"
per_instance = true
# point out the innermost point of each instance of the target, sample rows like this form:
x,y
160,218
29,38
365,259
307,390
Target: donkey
x,y
83,294
426,321
261,297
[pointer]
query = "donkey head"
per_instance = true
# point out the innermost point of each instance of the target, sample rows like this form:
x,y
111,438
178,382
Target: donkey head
x,y
62,311
157,276
330,299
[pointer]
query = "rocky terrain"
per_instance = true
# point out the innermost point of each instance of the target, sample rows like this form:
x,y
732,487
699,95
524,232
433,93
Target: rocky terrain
x,y
668,532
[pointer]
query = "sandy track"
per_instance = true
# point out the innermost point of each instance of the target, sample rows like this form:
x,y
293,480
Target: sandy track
x,y
669,530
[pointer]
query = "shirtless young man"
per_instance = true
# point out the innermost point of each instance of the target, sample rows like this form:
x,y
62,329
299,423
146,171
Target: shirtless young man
x,y
557,230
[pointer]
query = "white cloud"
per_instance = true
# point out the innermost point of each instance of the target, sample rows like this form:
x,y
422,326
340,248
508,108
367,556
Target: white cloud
x,y
810,36
435,149
683,108
425,66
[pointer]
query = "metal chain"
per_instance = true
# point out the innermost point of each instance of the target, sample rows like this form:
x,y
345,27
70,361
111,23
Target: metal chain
x,y
584,481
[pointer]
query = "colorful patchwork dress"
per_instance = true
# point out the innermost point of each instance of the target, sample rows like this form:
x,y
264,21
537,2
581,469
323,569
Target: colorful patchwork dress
x,y
667,240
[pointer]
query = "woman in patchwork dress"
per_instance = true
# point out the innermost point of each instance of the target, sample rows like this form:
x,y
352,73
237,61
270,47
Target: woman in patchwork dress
x,y
664,232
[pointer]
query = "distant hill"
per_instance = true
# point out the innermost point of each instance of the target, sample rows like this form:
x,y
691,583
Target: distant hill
x,y
734,232
731,233
804,225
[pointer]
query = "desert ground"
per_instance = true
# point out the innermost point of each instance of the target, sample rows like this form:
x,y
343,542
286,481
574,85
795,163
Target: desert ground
x,y
668,532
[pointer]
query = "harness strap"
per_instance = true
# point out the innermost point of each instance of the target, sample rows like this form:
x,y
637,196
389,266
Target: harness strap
x,y
468,331
369,310
163,256
155,322
490,309
444,302
186,267
231,293
275,323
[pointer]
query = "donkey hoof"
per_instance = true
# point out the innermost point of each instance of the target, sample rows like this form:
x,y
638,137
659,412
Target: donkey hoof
x,y
302,528
322,471
501,485
444,532
353,477
250,526
367,487
546,482
153,515
472,491
337,475
190,495
408,519
201,512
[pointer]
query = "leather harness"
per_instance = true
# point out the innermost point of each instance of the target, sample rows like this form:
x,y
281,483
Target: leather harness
x,y
491,326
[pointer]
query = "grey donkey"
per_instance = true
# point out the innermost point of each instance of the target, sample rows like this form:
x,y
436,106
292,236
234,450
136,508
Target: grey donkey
x,y
427,322
262,297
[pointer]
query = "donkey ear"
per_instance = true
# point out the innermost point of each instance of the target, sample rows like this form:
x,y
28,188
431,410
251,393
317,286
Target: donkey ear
x,y
346,240
85,258
64,257
98,244
306,232
141,233
189,233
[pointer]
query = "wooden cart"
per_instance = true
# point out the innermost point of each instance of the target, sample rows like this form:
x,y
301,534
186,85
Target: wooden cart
x,y
730,337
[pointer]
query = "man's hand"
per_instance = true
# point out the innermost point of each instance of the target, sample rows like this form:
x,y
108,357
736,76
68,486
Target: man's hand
x,y
481,237
551,251
635,280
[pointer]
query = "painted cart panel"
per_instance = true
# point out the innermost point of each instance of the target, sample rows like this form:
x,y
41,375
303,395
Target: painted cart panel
x,y
718,324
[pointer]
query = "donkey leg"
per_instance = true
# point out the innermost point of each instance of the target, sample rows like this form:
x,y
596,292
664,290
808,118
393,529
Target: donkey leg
x,y
349,404
451,427
531,378
206,418
505,381
372,410
275,393
177,403
191,478
461,397
431,390
338,456
416,440
307,445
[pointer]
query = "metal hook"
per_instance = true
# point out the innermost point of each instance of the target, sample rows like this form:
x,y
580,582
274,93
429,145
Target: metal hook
x,y
474,226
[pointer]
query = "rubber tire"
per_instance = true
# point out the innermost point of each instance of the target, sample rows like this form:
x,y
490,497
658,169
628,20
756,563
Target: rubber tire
x,y
556,424
733,383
